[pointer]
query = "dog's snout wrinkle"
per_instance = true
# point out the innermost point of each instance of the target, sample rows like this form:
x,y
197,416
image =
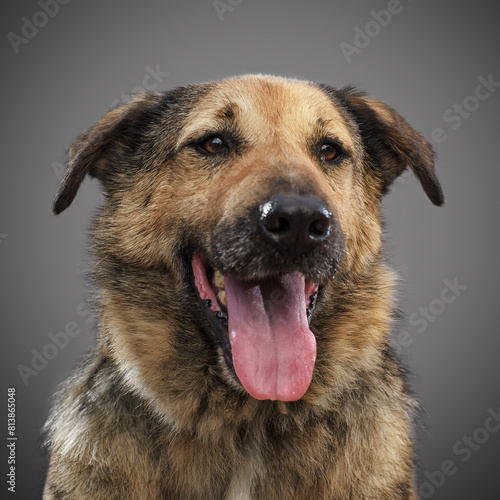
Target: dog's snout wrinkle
x,y
297,223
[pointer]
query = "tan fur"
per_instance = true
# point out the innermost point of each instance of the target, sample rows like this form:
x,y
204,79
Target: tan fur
x,y
154,411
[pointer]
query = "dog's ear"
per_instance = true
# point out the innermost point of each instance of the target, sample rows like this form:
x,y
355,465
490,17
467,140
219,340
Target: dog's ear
x,y
93,152
392,143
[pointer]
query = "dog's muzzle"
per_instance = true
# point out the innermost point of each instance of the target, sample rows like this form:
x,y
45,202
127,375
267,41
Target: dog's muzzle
x,y
258,284
285,232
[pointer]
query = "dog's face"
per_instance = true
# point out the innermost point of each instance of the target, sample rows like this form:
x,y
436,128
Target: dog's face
x,y
256,198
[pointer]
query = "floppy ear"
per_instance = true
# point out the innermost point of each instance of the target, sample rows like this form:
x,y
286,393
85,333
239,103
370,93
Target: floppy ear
x,y
92,153
392,143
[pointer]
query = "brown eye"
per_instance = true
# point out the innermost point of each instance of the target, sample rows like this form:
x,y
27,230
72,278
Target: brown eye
x,y
213,144
328,152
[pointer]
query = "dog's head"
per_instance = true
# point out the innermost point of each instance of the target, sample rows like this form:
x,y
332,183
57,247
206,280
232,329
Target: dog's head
x,y
254,195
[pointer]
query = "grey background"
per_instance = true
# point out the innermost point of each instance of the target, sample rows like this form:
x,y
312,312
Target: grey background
x,y
426,59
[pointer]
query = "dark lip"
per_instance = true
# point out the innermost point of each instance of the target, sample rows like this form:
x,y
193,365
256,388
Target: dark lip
x,y
217,327
219,320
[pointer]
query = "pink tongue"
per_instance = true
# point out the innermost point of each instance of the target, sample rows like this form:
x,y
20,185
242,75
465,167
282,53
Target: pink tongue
x,y
273,349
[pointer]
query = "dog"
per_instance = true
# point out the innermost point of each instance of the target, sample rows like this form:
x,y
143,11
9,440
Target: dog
x,y
245,308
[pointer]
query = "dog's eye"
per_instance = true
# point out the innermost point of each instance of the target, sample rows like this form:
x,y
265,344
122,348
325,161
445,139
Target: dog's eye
x,y
328,151
213,144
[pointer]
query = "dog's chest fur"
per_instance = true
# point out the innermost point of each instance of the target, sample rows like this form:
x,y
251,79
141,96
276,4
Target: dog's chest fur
x,y
240,485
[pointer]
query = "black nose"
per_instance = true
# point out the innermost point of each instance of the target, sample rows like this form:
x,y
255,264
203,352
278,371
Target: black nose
x,y
301,222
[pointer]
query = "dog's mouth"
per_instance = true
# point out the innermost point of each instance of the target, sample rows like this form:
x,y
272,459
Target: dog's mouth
x,y
262,327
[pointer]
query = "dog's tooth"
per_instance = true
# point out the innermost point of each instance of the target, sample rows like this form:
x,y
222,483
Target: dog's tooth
x,y
222,298
219,279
